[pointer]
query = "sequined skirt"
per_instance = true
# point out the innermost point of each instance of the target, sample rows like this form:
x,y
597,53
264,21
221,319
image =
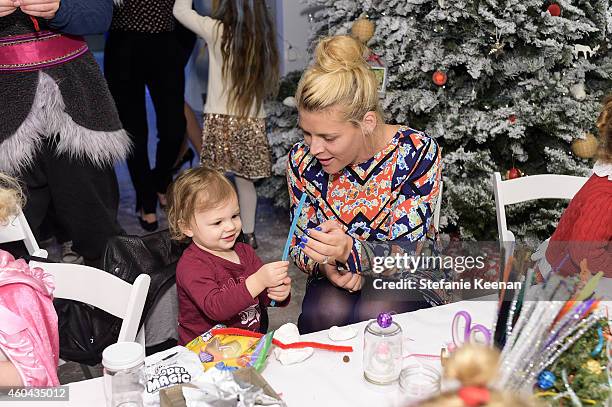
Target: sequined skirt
x,y
237,145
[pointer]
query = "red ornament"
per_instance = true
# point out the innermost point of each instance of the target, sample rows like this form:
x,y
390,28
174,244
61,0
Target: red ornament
x,y
513,173
512,118
439,78
554,10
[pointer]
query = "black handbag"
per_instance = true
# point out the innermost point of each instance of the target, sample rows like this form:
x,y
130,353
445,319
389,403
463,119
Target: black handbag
x,y
84,331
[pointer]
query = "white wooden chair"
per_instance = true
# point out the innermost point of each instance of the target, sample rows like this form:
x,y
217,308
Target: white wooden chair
x,y
102,290
18,229
105,291
546,186
438,208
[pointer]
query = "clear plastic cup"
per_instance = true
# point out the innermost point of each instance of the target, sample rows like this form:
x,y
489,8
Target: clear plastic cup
x,y
419,382
124,374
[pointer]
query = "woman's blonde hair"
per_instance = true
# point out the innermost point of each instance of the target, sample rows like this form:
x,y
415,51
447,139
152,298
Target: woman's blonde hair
x,y
339,77
11,198
195,190
475,366
604,124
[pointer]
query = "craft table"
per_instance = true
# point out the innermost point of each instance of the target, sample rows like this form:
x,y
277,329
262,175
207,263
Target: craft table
x,y
325,379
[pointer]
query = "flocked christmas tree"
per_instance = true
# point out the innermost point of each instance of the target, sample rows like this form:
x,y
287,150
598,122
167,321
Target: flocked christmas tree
x,y
501,84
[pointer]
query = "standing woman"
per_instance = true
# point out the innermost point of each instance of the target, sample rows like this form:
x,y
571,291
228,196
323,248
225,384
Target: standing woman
x,y
370,188
142,49
243,71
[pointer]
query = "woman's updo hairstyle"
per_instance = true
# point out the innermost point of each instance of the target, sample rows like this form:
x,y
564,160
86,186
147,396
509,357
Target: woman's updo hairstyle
x,y
339,76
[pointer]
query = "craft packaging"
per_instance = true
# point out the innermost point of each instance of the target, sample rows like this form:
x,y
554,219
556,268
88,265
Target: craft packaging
x,y
171,367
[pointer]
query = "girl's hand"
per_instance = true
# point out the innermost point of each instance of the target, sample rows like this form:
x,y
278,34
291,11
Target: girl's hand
x,y
272,274
349,281
327,243
39,8
7,7
281,292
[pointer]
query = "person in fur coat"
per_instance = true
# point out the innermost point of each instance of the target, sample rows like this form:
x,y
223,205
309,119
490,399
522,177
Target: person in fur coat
x,y
60,133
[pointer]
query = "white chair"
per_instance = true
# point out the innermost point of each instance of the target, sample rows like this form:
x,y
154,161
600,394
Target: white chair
x,y
438,208
546,186
102,290
18,229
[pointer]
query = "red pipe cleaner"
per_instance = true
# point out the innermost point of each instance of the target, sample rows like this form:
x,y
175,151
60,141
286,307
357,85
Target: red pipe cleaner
x,y
295,345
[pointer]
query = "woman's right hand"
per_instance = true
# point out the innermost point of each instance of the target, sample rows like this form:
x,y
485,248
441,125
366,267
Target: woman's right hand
x,y
273,274
7,7
349,281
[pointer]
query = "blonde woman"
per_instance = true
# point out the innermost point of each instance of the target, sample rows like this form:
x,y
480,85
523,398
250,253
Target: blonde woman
x,y
368,184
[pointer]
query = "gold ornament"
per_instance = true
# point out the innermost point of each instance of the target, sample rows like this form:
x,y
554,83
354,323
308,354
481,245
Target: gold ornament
x,y
593,366
497,48
363,29
585,147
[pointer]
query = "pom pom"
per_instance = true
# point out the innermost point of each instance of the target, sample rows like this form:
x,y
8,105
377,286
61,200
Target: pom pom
x,y
384,320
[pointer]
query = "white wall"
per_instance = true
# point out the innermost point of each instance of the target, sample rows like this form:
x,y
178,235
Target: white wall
x,y
294,29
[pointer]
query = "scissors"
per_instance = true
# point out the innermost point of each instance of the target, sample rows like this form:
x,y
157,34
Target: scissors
x,y
465,332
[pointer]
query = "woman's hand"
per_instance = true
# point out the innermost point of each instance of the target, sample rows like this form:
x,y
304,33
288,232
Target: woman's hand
x,y
349,281
7,7
39,8
327,243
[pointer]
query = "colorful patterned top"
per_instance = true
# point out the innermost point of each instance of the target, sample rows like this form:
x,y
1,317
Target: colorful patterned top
x,y
390,197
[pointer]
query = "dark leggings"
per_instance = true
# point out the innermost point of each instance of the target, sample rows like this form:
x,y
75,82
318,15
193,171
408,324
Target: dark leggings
x,y
134,62
326,305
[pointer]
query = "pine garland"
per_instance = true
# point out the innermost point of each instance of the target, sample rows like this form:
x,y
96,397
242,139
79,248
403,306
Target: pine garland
x,y
587,375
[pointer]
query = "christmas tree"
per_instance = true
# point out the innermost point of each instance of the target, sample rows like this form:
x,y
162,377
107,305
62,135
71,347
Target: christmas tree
x,y
499,83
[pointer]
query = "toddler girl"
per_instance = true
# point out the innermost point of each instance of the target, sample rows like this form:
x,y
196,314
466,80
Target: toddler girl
x,y
217,279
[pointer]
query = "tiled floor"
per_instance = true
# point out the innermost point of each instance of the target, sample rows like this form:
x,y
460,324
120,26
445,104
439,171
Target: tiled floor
x,y
272,226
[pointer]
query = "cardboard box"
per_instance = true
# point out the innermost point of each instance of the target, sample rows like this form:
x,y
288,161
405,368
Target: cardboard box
x,y
173,396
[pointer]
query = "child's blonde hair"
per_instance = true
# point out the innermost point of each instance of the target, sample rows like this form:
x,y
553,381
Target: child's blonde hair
x,y
195,190
604,124
475,366
11,198
340,77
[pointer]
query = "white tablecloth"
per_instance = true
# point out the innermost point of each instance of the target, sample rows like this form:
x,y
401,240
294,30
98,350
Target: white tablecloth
x,y
324,379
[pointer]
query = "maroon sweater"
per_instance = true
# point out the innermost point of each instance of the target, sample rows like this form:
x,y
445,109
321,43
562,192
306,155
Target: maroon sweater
x,y
585,230
212,290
